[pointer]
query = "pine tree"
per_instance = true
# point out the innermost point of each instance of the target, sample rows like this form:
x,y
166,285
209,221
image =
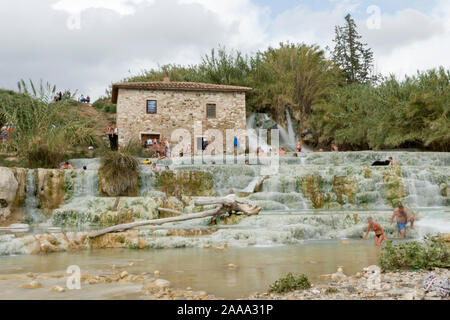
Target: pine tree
x,y
351,55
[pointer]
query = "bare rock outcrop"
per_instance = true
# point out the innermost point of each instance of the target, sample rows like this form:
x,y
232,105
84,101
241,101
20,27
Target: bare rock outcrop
x,y
8,191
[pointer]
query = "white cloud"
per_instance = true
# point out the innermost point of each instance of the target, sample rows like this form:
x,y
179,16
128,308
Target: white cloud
x,y
411,41
122,7
245,21
121,35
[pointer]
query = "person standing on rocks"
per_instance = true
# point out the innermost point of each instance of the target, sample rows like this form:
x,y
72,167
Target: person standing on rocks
x,y
379,232
402,220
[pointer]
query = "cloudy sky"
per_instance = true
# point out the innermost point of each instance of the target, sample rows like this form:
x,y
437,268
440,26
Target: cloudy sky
x,y
85,45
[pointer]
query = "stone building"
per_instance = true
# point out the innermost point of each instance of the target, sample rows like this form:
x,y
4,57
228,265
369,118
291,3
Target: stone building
x,y
153,110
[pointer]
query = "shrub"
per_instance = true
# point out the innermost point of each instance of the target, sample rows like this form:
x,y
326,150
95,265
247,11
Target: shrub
x,y
44,155
134,148
119,174
331,290
290,283
433,252
104,105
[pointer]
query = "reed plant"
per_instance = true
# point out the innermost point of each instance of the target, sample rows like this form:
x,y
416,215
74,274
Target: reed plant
x,y
43,130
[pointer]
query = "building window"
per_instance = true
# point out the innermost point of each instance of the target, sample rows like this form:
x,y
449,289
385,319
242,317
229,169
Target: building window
x,y
210,111
151,106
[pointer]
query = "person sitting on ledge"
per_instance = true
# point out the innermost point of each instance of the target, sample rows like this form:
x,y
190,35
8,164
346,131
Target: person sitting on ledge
x,y
379,232
389,162
260,152
66,166
334,148
393,163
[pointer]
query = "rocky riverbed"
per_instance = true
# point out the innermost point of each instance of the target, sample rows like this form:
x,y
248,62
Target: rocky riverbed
x,y
115,284
364,286
118,283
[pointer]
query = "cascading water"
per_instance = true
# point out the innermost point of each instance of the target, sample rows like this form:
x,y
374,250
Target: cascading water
x,y
86,183
254,141
288,138
423,190
292,134
313,196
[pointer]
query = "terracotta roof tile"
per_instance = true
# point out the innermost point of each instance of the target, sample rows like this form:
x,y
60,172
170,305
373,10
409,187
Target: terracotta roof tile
x,y
175,86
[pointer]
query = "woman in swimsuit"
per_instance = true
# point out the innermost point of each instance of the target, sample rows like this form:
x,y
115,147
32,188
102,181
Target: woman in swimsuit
x,y
379,232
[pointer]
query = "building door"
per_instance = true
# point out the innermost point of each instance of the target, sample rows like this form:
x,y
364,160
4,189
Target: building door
x,y
145,137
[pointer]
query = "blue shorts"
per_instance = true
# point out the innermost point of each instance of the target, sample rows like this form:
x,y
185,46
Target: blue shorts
x,y
402,226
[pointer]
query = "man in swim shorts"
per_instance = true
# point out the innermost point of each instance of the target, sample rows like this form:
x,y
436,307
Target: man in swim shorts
x,y
402,220
379,232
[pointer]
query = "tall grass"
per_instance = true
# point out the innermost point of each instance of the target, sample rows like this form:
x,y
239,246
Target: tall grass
x,y
43,130
119,173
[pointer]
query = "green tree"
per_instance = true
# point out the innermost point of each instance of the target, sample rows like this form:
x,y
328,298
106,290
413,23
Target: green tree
x,y
294,76
394,114
351,55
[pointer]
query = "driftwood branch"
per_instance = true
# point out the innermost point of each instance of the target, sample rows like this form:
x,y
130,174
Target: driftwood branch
x,y
171,211
230,204
227,205
124,227
260,183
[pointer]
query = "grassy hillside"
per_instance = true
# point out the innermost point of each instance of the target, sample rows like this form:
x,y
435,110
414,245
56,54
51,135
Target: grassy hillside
x,y
46,133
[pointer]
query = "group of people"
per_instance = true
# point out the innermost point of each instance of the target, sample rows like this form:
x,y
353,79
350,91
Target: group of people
x,y
84,99
161,148
401,214
154,167
60,96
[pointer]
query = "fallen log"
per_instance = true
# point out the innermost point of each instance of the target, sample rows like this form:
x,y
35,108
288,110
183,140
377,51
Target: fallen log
x,y
230,204
227,205
124,227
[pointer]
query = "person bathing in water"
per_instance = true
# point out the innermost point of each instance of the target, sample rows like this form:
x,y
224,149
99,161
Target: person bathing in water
x,y
379,232
389,162
402,220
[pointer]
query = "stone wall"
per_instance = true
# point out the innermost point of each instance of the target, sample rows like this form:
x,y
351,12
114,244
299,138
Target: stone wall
x,y
175,110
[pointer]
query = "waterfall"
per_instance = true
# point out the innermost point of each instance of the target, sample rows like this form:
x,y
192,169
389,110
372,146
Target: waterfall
x,y
31,201
314,196
253,139
292,134
288,138
86,183
434,221
422,190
